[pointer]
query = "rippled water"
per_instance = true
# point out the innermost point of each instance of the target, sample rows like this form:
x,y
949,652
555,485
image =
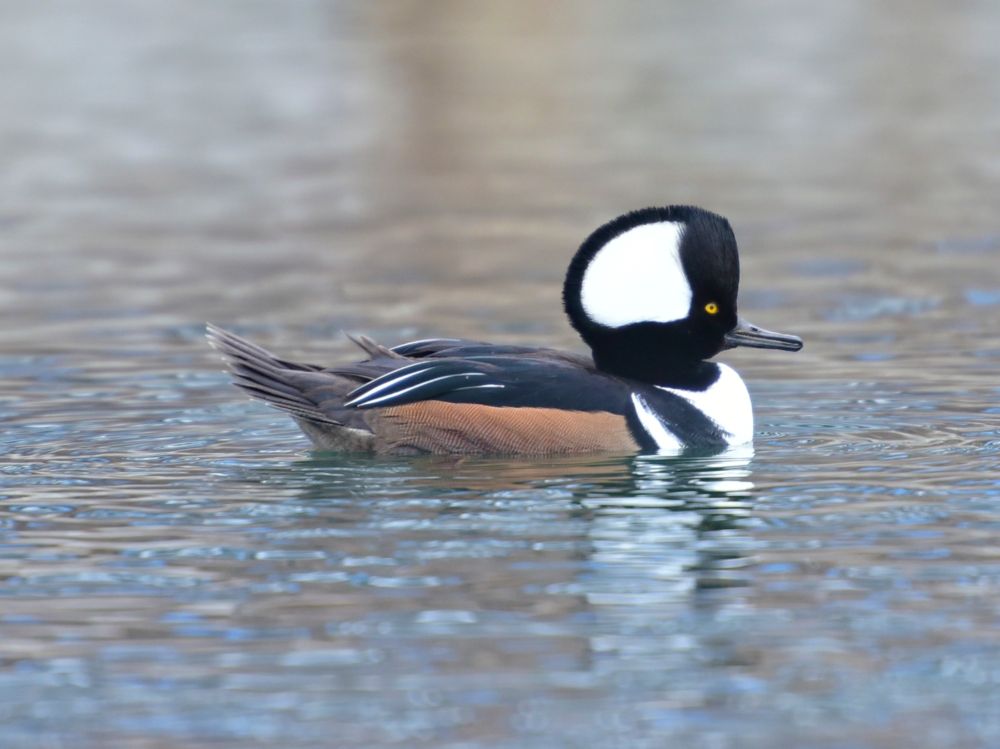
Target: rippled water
x,y
176,568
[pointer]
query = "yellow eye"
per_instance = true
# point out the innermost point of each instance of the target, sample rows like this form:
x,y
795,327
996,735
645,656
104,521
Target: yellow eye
x,y
711,308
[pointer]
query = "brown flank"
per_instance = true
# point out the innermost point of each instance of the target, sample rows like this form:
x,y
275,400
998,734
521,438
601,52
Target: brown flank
x,y
439,427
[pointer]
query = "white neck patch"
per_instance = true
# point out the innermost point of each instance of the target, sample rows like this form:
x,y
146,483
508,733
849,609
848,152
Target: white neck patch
x,y
726,402
638,277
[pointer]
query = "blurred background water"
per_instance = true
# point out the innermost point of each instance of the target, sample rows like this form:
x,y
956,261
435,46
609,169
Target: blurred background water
x,y
177,569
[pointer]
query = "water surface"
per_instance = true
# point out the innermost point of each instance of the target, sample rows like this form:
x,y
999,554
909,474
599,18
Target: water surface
x,y
177,568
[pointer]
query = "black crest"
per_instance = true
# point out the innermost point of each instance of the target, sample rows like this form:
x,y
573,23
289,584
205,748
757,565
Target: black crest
x,y
665,353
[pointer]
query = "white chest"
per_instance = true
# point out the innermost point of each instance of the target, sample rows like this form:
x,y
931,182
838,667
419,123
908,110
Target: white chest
x,y
726,402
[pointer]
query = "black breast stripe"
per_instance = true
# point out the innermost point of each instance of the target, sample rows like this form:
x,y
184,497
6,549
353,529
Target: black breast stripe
x,y
692,427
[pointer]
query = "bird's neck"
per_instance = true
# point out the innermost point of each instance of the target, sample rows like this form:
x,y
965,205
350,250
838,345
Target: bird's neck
x,y
662,368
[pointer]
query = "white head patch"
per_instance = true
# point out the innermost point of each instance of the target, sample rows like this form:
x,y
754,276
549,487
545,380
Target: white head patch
x,y
638,277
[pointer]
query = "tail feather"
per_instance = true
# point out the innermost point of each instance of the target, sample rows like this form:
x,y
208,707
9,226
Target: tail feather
x,y
374,349
262,375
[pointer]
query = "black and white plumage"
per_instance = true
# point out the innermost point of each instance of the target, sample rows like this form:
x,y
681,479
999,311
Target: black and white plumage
x,y
652,293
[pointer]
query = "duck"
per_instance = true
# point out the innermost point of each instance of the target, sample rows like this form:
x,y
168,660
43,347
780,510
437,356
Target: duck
x,y
653,295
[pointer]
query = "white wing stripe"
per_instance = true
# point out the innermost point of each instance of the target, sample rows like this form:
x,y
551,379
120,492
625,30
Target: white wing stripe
x,y
390,382
365,400
479,387
425,340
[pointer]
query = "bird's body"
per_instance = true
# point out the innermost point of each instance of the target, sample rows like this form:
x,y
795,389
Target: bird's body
x,y
654,295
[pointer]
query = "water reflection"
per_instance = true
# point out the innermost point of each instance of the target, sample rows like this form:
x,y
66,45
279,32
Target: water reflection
x,y
481,581
722,473
622,540
646,530
677,529
661,550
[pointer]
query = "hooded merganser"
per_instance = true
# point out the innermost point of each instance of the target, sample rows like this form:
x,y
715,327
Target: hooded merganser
x,y
652,293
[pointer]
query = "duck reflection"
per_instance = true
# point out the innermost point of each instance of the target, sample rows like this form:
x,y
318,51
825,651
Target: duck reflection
x,y
704,477
677,529
557,571
634,530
